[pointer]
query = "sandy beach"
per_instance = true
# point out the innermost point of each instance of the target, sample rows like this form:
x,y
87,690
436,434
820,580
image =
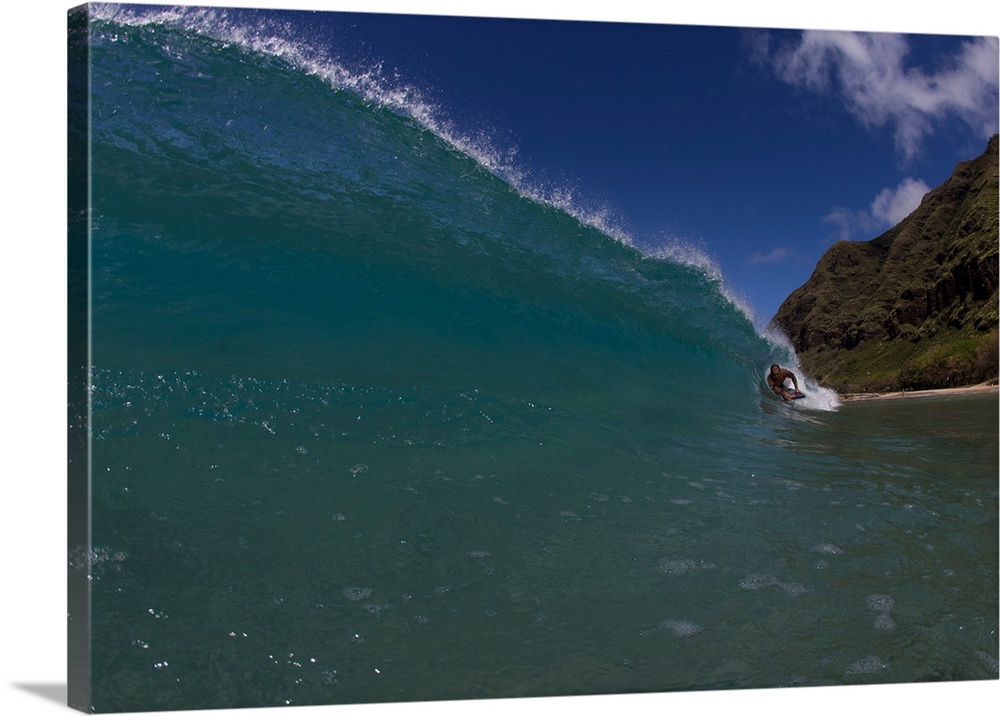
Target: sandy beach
x,y
987,387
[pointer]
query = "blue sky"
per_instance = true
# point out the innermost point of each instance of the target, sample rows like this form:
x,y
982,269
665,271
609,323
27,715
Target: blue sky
x,y
754,147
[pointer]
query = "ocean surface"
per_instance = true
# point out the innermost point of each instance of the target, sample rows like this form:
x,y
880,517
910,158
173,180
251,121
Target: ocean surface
x,y
373,420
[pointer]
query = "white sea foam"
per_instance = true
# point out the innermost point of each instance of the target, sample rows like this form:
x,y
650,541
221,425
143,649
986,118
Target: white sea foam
x,y
817,397
687,253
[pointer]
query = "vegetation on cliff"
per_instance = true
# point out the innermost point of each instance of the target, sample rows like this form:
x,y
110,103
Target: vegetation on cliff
x,y
914,308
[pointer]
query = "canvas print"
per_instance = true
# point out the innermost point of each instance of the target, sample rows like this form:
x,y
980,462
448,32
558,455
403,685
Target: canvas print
x,y
418,358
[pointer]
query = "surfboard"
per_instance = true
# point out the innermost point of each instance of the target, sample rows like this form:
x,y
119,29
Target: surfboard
x,y
796,394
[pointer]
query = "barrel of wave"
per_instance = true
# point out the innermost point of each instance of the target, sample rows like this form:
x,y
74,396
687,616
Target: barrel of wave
x,y
817,397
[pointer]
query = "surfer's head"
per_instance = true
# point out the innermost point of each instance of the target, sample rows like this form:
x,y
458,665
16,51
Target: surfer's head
x,y
775,368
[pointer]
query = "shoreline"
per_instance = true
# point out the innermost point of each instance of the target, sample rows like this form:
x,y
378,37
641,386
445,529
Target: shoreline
x,y
987,387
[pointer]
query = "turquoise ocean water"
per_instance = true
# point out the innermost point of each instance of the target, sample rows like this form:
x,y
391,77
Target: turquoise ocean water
x,y
373,421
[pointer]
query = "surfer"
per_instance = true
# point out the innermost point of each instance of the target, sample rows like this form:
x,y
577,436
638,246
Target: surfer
x,y
776,380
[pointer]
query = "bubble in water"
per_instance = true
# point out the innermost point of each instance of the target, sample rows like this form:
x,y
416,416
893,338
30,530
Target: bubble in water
x,y
827,548
868,665
884,622
679,566
793,588
989,660
360,469
682,628
759,581
675,566
95,558
356,594
678,628
880,602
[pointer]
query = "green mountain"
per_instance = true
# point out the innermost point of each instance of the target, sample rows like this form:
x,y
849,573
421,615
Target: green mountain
x,y
913,308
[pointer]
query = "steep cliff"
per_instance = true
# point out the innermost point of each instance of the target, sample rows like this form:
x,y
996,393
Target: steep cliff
x,y
915,307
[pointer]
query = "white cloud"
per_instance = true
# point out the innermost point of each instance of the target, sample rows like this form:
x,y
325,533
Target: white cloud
x,y
870,72
848,223
888,208
774,256
893,205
